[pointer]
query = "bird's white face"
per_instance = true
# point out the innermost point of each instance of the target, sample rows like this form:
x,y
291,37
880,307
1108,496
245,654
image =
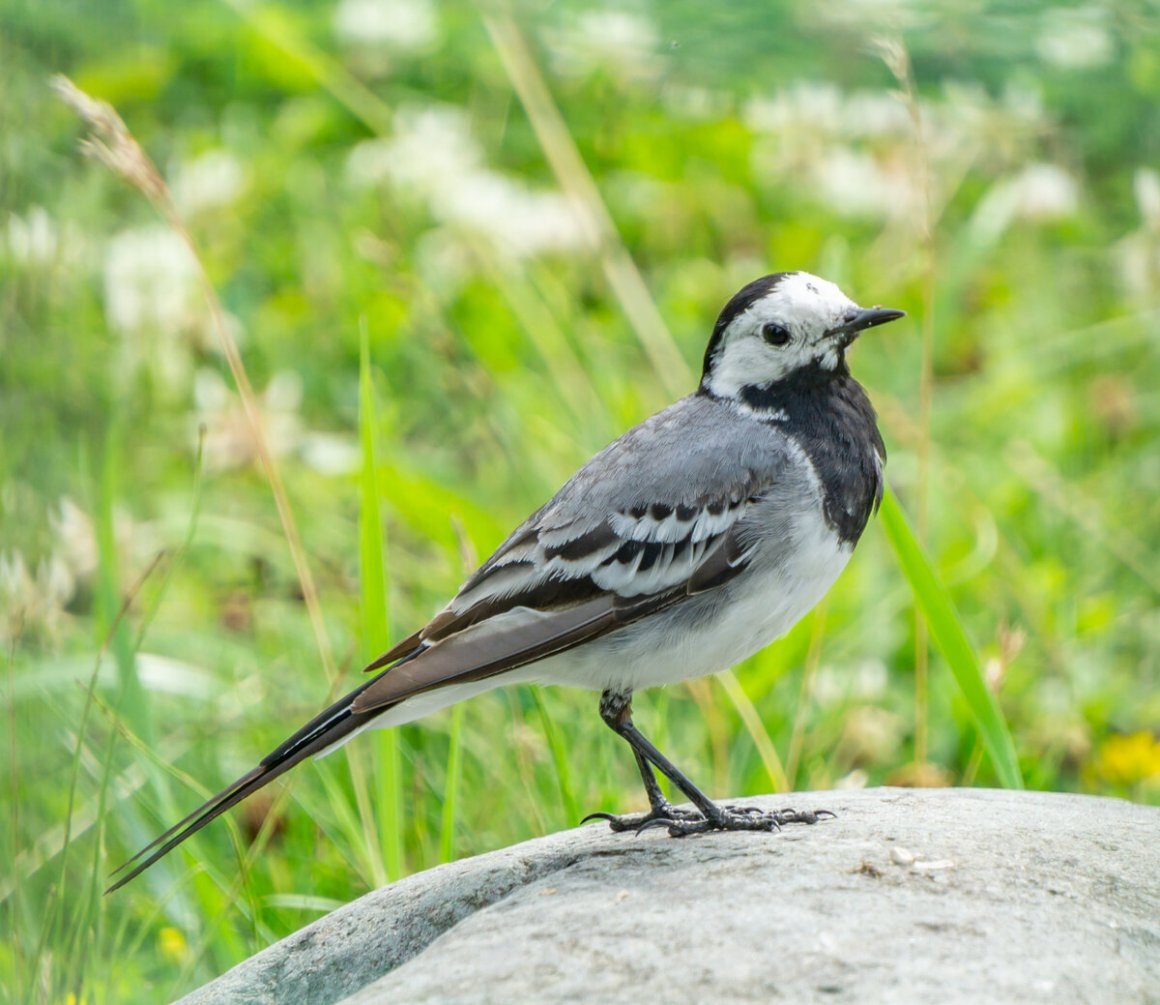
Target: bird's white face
x,y
797,321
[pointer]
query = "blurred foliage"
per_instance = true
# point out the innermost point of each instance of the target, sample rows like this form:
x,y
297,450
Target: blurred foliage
x,y
368,166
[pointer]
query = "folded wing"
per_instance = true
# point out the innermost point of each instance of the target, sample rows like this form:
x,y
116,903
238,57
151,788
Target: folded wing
x,y
554,585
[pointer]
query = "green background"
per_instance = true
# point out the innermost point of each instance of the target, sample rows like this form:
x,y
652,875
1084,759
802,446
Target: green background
x,y
370,170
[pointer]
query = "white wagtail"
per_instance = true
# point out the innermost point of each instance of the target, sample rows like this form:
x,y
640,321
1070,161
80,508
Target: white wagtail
x,y
689,543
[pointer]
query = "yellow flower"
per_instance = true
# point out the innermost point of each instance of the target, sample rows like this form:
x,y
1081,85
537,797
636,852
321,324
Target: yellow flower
x,y
172,944
1128,759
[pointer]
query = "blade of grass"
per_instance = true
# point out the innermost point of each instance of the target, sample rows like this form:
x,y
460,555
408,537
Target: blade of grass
x,y
659,731
809,671
12,909
544,332
756,729
154,606
947,630
152,758
345,828
304,902
51,842
268,21
365,823
113,618
559,758
450,811
88,919
132,700
1131,550
373,613
451,790
234,889
897,59
720,736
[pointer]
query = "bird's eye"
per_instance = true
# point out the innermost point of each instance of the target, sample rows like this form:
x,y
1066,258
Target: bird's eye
x,y
775,334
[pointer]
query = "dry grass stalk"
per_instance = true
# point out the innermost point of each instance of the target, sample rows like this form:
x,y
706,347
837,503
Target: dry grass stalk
x,y
894,54
110,142
578,184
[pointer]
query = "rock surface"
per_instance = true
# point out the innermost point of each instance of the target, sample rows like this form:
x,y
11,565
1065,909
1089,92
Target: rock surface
x,y
951,895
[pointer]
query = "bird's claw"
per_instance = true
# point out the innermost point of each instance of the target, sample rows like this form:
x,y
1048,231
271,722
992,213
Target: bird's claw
x,y
745,818
683,822
637,822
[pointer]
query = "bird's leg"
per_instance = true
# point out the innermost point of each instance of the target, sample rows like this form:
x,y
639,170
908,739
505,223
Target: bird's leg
x,y
616,711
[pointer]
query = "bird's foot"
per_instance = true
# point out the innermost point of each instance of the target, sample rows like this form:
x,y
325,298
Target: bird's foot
x,y
680,822
734,818
663,814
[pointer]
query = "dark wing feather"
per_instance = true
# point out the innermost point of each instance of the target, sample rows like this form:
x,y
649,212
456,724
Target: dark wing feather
x,y
541,611
471,656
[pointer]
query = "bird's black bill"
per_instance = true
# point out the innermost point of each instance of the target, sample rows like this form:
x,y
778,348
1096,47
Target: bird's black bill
x,y
864,317
871,317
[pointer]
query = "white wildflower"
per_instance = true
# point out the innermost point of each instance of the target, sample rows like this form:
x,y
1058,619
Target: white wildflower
x,y
816,134
76,540
814,128
1075,38
854,779
683,101
870,735
855,184
369,163
1039,193
875,113
330,453
398,24
432,155
1022,103
863,682
33,239
148,280
166,675
1138,254
1046,192
871,15
229,441
870,678
432,148
212,181
823,109
518,220
623,43
229,438
1146,186
808,106
442,261
32,602
151,301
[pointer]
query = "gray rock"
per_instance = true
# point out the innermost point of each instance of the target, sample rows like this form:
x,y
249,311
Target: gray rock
x,y
951,895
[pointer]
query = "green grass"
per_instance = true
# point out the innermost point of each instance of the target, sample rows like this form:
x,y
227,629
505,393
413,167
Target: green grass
x,y
951,638
429,359
391,819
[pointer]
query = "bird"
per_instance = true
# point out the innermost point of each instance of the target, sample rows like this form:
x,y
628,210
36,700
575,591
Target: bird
x,y
695,539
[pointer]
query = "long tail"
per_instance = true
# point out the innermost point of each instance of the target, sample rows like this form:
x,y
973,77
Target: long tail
x,y
323,731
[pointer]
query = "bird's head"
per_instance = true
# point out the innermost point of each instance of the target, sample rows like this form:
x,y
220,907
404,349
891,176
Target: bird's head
x,y
781,326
